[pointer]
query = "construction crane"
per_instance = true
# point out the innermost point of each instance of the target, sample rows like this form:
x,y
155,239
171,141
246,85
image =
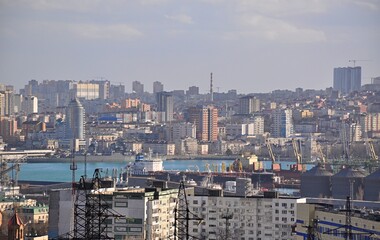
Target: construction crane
x,y
355,60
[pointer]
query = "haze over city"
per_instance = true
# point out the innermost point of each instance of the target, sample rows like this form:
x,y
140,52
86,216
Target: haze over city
x,y
251,46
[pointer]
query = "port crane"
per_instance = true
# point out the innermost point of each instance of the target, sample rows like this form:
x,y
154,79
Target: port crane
x,y
297,150
275,166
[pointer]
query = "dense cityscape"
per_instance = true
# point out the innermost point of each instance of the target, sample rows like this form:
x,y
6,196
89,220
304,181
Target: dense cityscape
x,y
302,164
186,120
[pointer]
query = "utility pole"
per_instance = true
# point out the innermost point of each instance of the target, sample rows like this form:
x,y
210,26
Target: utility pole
x,y
227,216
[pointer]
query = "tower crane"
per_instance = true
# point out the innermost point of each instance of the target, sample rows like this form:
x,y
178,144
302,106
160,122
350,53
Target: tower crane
x,y
355,60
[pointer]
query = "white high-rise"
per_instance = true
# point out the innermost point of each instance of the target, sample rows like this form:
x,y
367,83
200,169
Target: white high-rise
x,y
282,123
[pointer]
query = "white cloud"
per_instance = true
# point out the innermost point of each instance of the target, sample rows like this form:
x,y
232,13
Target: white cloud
x,y
369,4
153,2
70,5
283,7
115,31
275,30
182,18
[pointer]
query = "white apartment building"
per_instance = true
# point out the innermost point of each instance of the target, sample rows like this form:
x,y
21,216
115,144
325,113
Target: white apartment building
x,y
252,218
149,214
146,213
182,130
251,127
160,148
282,123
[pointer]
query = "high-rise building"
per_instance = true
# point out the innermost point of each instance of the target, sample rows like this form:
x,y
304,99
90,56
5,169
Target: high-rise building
x,y
75,116
158,87
86,90
282,123
104,88
31,88
347,79
137,87
165,103
117,91
6,102
249,105
29,105
193,90
206,121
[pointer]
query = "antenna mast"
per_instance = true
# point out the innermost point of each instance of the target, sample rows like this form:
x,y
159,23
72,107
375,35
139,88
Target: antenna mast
x,y
211,90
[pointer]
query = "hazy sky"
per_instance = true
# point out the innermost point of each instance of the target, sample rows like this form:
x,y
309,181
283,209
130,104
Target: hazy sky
x,y
249,45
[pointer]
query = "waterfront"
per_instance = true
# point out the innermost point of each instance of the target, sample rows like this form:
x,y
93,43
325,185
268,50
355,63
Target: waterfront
x,y
60,172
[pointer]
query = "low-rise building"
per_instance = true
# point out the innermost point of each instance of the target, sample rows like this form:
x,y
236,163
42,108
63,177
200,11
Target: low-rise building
x,y
328,219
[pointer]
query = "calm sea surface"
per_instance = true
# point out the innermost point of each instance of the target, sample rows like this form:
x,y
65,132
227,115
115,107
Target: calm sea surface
x,y
60,172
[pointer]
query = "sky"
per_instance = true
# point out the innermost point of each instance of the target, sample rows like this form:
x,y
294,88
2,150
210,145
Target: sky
x,y
248,45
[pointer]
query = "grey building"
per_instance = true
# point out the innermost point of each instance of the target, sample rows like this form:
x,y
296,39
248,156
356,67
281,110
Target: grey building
x,y
137,87
347,79
158,87
75,120
165,104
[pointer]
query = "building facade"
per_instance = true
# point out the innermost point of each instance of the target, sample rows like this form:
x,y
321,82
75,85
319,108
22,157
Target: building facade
x,y
75,120
255,218
282,123
347,79
326,219
249,105
165,104
137,87
158,87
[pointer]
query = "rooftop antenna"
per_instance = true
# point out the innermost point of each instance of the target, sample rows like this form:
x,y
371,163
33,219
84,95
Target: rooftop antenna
x,y
211,90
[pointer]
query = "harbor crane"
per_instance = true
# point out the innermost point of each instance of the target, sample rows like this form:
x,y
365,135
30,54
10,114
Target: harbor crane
x,y
275,166
297,150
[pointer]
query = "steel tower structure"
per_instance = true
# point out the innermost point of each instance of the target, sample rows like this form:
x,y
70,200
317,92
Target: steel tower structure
x,y
183,216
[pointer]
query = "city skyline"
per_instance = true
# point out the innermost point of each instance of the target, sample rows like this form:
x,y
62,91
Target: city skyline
x,y
251,46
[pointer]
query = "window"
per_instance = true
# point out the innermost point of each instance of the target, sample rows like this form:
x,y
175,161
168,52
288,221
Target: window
x,y
195,202
284,212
